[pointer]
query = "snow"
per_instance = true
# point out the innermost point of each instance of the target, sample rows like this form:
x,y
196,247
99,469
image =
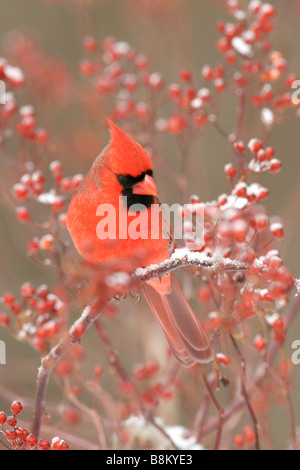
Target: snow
x,y
241,46
271,318
235,202
117,279
14,73
81,319
27,109
196,103
183,256
267,117
122,47
47,198
297,285
142,430
276,226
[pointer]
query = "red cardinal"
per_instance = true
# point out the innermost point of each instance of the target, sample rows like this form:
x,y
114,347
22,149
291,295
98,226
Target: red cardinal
x,y
124,168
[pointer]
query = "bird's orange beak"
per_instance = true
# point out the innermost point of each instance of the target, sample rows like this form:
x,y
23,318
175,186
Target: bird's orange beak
x,y
147,187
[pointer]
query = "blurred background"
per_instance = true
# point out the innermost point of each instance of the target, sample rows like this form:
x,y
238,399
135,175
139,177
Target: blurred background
x,y
174,34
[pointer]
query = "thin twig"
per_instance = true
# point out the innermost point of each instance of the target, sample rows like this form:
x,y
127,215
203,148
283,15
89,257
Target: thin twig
x,y
219,410
49,361
122,374
245,392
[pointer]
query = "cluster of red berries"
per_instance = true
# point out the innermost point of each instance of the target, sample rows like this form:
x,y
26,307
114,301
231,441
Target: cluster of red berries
x,y
11,114
117,70
150,392
48,79
248,59
235,227
245,45
246,439
38,318
32,187
19,438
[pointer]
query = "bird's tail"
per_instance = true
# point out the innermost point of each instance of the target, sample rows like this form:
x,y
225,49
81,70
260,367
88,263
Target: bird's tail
x,y
183,330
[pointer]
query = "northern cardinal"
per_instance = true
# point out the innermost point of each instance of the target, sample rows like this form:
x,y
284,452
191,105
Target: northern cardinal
x,y
124,168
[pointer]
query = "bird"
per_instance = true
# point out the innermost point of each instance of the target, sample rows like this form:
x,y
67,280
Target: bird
x,y
120,178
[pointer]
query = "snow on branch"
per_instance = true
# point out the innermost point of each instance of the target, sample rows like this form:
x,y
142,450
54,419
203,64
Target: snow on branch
x,y
184,257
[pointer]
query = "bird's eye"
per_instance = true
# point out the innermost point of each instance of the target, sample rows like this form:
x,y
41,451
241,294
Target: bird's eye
x,y
127,181
124,180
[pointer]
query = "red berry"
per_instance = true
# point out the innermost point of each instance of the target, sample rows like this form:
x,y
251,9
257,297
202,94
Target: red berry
x,y
249,434
230,171
155,81
204,294
275,165
241,190
11,421
58,204
16,408
22,214
90,44
174,91
16,308
86,67
220,85
34,245
2,417
41,136
47,242
207,72
141,62
31,442
277,230
278,325
255,145
98,370
66,184
64,368
20,191
239,147
4,319
71,416
11,435
63,220
8,299
238,440
27,290
55,167
44,444
77,180
222,359
269,153
186,75
63,445
259,343
78,331
42,291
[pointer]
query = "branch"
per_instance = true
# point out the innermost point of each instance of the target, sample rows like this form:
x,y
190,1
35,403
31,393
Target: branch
x,y
259,374
49,361
122,374
184,257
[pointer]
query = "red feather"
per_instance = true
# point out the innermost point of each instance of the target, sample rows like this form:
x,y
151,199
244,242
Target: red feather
x,y
123,156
